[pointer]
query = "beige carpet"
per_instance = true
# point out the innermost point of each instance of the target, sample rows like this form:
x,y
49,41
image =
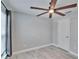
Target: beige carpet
x,y
50,52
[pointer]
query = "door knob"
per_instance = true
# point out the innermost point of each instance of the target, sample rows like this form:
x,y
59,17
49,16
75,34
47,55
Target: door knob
x,y
67,36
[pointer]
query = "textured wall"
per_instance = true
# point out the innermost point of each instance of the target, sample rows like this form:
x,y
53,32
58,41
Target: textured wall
x,y
54,32
29,31
74,33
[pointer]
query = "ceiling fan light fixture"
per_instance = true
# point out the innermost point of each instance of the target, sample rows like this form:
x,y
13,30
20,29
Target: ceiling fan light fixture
x,y
51,11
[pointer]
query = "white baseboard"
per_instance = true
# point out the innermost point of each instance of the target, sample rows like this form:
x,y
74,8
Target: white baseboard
x,y
30,49
65,50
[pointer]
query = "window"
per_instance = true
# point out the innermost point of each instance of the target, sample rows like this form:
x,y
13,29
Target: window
x,y
6,47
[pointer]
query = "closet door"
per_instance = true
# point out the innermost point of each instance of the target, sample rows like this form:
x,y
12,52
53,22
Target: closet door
x,y
64,33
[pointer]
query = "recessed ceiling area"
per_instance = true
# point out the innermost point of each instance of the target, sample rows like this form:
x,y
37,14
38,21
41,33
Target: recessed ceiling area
x,y
24,6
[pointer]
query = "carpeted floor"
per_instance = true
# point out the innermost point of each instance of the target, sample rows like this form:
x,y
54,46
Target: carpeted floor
x,y
50,52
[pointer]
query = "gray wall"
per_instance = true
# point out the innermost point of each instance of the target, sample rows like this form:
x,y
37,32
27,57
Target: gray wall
x,y
74,33
54,32
29,31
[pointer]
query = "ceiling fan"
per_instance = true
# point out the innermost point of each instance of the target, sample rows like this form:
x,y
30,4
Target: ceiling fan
x,y
52,8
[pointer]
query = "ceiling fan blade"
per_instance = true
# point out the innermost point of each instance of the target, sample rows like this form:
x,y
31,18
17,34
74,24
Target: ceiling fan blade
x,y
39,8
68,6
52,4
42,14
60,13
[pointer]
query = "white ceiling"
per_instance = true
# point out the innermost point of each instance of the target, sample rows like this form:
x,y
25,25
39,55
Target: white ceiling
x,y
24,5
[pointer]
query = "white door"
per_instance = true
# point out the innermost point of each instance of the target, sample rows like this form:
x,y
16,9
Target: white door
x,y
64,33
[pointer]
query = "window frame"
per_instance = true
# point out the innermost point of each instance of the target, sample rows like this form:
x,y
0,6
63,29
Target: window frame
x,y
8,29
